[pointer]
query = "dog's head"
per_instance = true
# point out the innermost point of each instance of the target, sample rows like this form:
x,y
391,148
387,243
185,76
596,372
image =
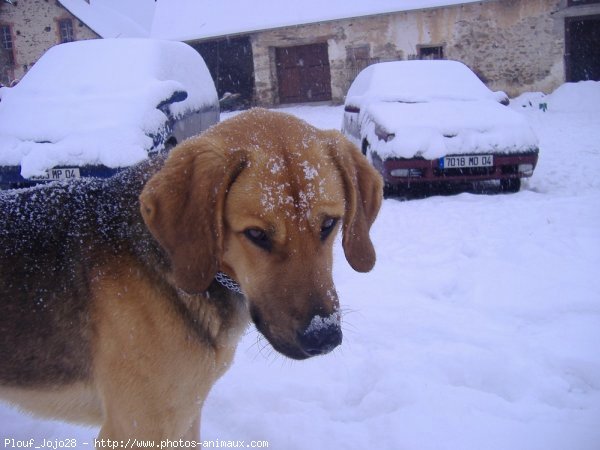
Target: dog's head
x,y
261,198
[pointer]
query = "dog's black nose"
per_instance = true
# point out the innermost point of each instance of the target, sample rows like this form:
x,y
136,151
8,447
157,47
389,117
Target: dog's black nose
x,y
321,336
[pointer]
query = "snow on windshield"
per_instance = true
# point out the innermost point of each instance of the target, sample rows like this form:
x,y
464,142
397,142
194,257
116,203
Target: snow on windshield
x,y
78,106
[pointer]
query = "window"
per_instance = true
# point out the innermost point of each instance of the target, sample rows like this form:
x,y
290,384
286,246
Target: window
x,y
66,30
357,58
7,44
430,52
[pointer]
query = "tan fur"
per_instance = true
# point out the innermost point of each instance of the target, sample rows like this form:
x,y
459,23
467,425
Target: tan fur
x,y
161,331
135,357
75,403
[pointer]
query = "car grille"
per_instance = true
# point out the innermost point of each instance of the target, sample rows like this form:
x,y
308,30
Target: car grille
x,y
464,172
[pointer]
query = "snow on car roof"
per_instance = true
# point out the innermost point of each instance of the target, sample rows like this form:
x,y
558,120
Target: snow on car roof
x,y
78,106
417,81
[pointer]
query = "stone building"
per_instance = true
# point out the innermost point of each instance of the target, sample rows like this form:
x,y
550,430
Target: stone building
x,y
513,45
28,28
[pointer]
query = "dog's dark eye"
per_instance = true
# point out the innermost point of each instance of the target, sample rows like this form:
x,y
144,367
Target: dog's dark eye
x,y
259,238
327,227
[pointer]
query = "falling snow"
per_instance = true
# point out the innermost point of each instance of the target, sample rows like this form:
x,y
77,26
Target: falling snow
x,y
477,328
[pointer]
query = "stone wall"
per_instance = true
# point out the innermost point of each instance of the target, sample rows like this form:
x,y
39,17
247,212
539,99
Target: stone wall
x,y
513,45
34,26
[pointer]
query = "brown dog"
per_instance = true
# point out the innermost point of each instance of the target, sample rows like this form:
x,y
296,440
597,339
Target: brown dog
x,y
110,310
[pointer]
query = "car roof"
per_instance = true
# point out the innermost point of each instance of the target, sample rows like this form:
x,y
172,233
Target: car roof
x,y
418,81
106,66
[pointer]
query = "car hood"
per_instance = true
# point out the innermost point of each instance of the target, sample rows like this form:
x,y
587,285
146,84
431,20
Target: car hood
x,y
41,131
435,129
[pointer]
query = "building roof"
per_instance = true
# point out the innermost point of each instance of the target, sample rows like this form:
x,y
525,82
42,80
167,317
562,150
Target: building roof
x,y
200,19
186,20
114,18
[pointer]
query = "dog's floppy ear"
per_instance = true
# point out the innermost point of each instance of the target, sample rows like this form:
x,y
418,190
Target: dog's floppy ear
x,y
363,187
182,206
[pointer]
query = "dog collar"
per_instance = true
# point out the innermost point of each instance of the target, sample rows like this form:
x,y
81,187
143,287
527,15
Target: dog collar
x,y
227,282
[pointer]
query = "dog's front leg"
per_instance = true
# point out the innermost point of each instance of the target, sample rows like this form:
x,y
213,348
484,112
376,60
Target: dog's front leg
x,y
152,403
193,434
136,435
143,413
152,373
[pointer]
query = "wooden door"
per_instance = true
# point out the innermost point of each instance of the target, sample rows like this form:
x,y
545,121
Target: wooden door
x,y
303,73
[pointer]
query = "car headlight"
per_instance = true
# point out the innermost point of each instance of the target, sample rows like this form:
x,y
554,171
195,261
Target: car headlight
x,y
405,173
526,169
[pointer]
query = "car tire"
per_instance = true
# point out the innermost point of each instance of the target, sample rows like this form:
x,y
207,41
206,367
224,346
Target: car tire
x,y
389,190
170,144
510,185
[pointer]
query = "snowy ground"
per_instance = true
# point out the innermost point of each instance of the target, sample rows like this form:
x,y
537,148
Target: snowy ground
x,y
479,327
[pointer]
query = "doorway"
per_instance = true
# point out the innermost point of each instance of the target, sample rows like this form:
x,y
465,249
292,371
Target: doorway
x,y
303,73
582,42
231,66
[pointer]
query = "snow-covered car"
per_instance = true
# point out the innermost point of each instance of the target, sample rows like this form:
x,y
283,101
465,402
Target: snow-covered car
x,y
430,122
92,108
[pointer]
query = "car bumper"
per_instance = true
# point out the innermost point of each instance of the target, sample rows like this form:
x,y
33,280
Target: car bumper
x,y
400,171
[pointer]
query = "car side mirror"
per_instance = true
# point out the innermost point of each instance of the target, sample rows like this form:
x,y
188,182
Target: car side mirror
x,y
177,96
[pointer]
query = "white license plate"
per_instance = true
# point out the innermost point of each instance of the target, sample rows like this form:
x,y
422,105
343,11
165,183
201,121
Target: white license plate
x,y
464,161
59,173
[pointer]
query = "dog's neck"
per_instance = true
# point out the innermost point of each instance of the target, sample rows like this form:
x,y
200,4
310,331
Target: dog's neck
x,y
227,282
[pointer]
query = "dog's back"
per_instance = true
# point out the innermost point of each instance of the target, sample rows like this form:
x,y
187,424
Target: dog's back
x,y
51,236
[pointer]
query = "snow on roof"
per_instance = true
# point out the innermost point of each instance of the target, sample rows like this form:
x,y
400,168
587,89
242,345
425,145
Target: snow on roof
x,y
199,19
74,108
196,19
114,18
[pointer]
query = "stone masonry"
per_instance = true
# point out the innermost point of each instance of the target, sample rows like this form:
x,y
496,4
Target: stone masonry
x,y
34,28
513,45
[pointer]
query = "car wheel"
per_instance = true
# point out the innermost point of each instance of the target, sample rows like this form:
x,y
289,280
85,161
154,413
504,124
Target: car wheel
x,y
510,184
170,144
389,190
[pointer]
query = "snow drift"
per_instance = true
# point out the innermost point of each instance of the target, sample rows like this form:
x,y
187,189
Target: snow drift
x,y
477,329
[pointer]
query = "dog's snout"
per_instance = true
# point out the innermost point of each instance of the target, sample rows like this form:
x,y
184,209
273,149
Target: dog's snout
x,y
322,335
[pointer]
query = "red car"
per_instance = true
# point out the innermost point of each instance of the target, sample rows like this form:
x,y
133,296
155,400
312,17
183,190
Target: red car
x,y
434,122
